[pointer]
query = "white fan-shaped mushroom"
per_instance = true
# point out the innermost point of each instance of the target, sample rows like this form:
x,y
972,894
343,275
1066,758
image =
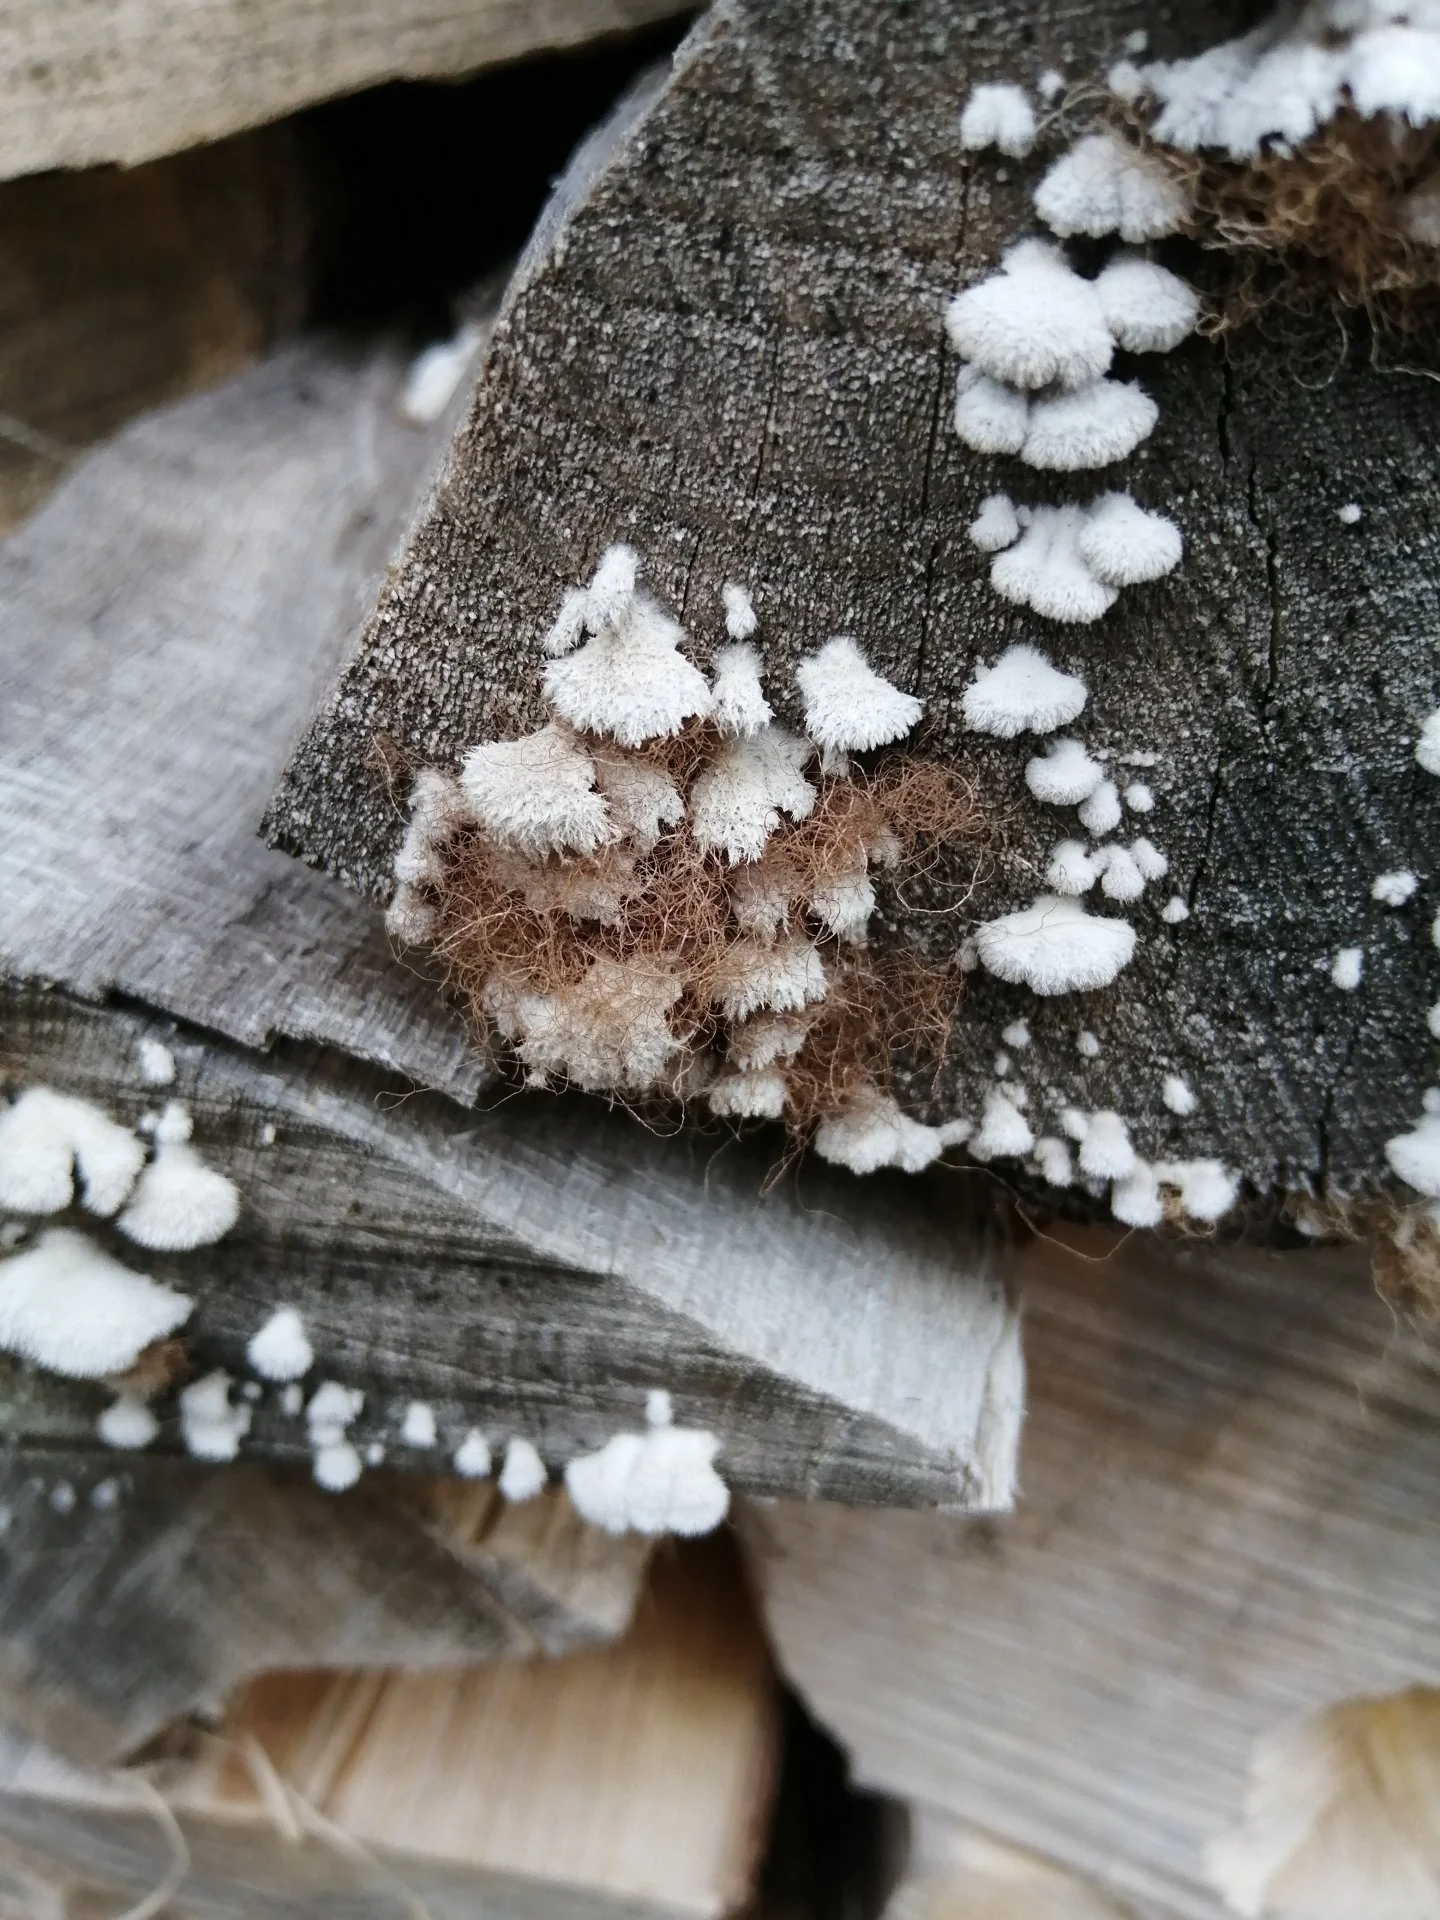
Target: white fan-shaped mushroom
x,y
537,794
740,704
848,706
998,116
65,1305
1123,544
1064,774
736,802
1021,693
1034,324
989,416
179,1202
630,681
1091,427
1146,307
1105,185
1054,946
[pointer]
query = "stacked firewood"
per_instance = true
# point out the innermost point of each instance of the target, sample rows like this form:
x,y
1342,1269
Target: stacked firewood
x,y
432,1488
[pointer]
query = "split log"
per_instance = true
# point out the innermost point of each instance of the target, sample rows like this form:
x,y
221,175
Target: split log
x,y
634,1781
169,78
138,1591
1230,1496
124,290
533,1268
730,353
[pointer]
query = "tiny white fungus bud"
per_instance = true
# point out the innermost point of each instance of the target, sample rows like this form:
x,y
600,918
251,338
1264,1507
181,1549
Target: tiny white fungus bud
x,y
280,1350
336,1466
997,525
471,1459
1100,811
1120,875
1004,1133
1393,889
127,1424
1087,1045
157,1063
740,620
1348,967
1139,797
210,1426
1053,1159
1149,859
523,1475
1427,748
436,372
418,1427
1175,910
1135,1198
1106,1152
1176,1094
998,116
1016,1035
1348,515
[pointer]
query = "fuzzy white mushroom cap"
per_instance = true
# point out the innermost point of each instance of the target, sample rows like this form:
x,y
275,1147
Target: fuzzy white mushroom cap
x,y
1071,870
1054,946
737,800
765,1039
740,616
280,1350
1022,693
127,1424
1100,811
607,1032
1004,1132
523,1475
850,708
1105,185
179,1202
1120,875
471,1459
1427,747
757,1095
1207,1189
657,1482
1091,427
1064,774
1347,968
336,1466
1106,1152
1415,1156
417,1429
643,800
1033,324
844,907
1177,1095
537,794
1393,889
1053,1161
630,681
66,1306
157,1063
998,116
1146,307
740,704
1175,909
210,1426
1123,544
989,416
997,525
871,1132
1135,1199
784,978
45,1135
1046,571
1396,69
1148,858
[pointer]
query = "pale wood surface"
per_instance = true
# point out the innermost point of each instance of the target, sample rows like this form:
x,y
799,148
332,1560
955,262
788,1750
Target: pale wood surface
x,y
125,80
166,622
1229,1516
634,1779
732,355
120,1610
537,1265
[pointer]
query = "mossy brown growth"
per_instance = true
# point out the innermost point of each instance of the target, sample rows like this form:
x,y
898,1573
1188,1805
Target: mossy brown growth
x,y
654,970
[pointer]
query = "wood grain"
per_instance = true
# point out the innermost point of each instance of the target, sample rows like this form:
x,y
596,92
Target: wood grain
x,y
127,80
168,620
732,355
1230,1489
632,1781
535,1267
137,1590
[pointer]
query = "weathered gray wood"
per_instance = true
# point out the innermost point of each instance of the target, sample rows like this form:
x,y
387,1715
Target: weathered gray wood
x,y
732,356
127,80
124,290
1230,1490
165,624
629,1782
137,1590
535,1267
